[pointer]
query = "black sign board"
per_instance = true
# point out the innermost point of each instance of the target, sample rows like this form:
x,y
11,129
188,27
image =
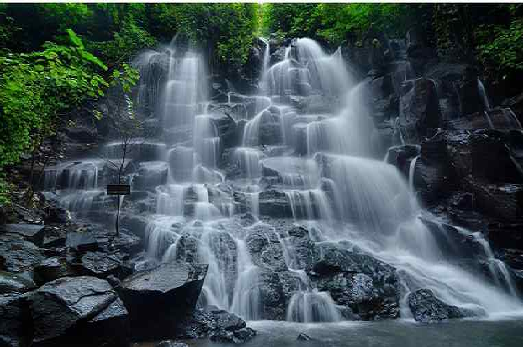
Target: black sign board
x,y
118,189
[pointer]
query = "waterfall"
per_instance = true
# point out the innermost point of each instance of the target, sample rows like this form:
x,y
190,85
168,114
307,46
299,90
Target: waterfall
x,y
304,154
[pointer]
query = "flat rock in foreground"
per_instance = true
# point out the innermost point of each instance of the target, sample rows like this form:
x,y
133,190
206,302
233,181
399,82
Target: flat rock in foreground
x,y
158,299
79,311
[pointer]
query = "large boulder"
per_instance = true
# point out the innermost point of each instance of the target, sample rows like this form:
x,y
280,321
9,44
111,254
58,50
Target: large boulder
x,y
15,321
419,110
18,255
81,311
217,325
15,283
158,299
366,286
30,232
427,308
472,93
275,292
265,248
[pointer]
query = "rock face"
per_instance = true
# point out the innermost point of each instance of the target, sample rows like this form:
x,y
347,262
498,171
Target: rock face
x,y
30,232
15,321
78,310
217,325
14,283
419,110
367,286
18,255
158,299
426,308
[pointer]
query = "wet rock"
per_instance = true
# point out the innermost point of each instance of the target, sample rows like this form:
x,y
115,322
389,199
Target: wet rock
x,y
265,249
419,111
300,247
516,104
139,150
15,283
303,337
504,201
30,232
82,134
81,310
50,269
498,118
418,53
472,93
218,325
270,130
150,174
275,292
169,343
56,214
18,255
101,264
426,308
55,236
401,157
81,241
158,299
226,128
15,321
365,285
275,204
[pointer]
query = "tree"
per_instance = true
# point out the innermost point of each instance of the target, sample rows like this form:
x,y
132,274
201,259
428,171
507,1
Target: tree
x,y
124,123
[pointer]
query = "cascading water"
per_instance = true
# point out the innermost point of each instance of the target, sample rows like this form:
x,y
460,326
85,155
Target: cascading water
x,y
317,155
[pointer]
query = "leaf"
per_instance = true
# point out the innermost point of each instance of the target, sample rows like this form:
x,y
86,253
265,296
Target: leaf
x,y
75,40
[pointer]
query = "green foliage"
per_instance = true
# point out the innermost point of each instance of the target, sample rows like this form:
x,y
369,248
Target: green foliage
x,y
334,23
500,45
36,87
124,44
226,30
5,189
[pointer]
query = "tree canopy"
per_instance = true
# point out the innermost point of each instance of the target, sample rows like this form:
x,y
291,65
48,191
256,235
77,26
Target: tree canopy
x,y
55,56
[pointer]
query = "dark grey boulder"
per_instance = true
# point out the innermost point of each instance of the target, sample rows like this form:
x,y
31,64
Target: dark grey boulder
x,y
81,241
30,232
217,325
366,286
17,254
419,110
78,310
100,264
15,283
427,308
51,269
265,248
158,299
15,321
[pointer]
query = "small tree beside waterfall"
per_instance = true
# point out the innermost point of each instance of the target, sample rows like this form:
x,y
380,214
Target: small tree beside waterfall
x,y
123,124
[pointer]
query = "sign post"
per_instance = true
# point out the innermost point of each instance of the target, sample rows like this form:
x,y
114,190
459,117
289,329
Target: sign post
x,y
120,190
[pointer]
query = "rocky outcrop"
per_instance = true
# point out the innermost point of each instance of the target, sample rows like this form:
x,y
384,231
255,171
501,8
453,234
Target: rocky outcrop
x,y
367,286
15,321
419,109
426,308
80,311
164,295
217,325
